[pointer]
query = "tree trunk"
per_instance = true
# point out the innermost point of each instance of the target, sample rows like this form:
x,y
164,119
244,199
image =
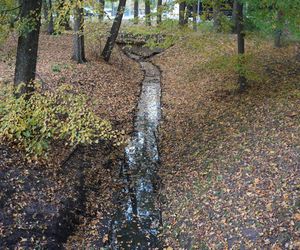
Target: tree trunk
x,y
241,46
147,12
298,52
187,14
217,15
28,47
50,29
78,39
195,10
159,11
45,10
101,9
234,21
278,30
136,11
111,40
182,6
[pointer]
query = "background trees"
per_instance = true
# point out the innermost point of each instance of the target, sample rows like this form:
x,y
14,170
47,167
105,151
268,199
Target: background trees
x,y
136,11
159,11
182,6
50,29
271,17
101,9
241,45
147,12
274,17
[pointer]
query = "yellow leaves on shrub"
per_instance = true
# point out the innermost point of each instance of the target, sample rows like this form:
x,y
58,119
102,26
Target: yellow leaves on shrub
x,y
46,116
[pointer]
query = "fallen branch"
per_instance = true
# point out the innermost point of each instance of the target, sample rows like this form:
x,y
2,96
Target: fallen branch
x,y
8,10
73,150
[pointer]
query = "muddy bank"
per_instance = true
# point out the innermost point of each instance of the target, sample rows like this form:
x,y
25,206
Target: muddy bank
x,y
42,208
40,204
35,210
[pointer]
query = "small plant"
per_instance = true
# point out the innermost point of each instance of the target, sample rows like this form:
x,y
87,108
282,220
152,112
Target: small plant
x,y
57,68
95,34
33,124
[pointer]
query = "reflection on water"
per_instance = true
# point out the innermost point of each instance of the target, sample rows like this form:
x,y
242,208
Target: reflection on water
x,y
137,222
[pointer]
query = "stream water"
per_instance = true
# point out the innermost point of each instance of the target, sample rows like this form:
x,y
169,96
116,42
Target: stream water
x,y
136,224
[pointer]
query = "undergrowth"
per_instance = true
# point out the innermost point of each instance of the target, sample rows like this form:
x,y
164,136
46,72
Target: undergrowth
x,y
95,35
34,123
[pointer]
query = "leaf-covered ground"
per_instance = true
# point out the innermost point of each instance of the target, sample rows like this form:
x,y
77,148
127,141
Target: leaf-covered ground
x,y
40,203
230,161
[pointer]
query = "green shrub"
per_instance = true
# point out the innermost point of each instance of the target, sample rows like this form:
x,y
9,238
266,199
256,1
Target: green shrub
x,y
33,123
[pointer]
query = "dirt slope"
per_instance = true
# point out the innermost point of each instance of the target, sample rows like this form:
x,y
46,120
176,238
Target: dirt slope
x,y
41,203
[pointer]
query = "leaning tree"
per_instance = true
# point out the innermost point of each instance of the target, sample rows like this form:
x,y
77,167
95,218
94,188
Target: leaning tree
x,y
111,40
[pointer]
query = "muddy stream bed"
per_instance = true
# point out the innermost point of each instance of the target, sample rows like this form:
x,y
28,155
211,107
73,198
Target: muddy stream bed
x,y
137,221
134,219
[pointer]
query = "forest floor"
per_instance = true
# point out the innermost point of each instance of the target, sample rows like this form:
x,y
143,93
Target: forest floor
x,y
41,202
230,162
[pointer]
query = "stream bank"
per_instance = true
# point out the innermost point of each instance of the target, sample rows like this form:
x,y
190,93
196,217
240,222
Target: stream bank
x,y
41,204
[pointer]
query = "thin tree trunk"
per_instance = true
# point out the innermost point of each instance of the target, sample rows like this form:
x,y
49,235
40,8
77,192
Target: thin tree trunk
x,y
187,14
136,11
278,30
147,12
50,29
28,47
111,40
298,52
45,10
195,9
234,21
182,6
101,10
159,11
78,39
217,15
241,46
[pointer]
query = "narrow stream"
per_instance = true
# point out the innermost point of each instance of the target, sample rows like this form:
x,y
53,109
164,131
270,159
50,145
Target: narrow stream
x,y
136,224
